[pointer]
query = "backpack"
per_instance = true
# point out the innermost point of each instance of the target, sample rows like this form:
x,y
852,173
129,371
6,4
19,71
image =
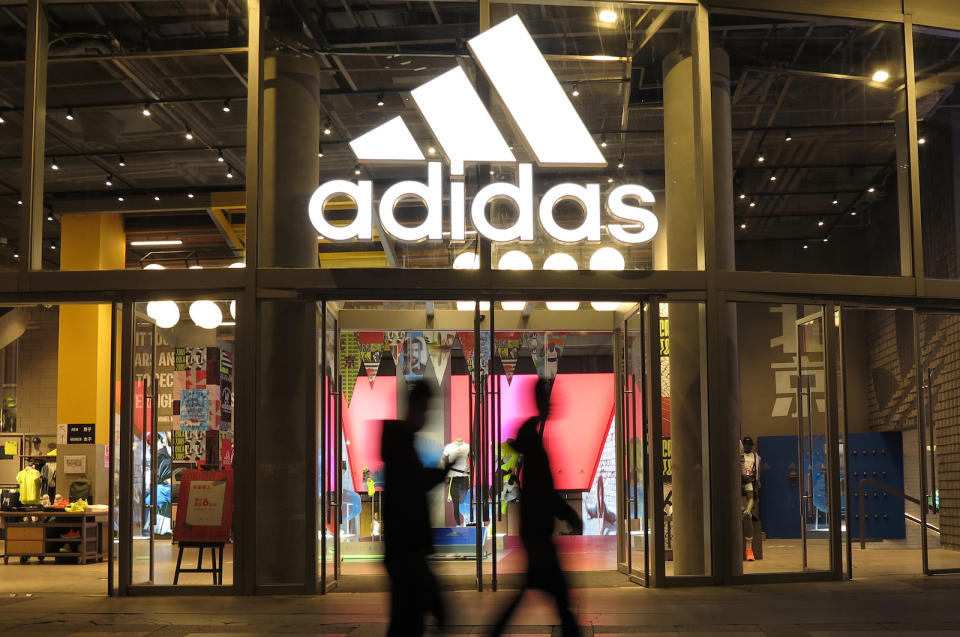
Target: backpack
x,y
80,489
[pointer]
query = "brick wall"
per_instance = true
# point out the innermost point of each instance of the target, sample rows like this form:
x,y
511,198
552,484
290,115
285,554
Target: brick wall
x,y
37,387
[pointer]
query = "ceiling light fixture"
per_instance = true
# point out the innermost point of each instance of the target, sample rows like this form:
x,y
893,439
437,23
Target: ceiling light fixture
x,y
820,222
53,246
380,99
922,140
16,255
826,239
743,195
514,260
835,200
432,150
53,164
188,135
146,110
69,116
119,197
609,180
871,189
153,266
607,16
189,195
753,204
603,141
19,202
158,242
229,172
49,217
773,177
880,76
121,162
806,245
108,181
787,137
761,157
2,120
327,127
320,150
226,105
576,90
156,197
743,225
356,170
220,155
853,213
620,161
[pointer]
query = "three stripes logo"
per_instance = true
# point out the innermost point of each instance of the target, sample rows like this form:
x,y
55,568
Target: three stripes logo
x,y
549,126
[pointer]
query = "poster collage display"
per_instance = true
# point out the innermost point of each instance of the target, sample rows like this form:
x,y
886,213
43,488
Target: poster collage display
x,y
420,353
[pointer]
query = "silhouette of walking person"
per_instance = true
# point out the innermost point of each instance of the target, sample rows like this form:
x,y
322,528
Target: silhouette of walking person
x,y
539,505
406,521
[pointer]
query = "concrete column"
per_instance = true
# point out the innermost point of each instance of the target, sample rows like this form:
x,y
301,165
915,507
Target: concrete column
x,y
725,426
684,252
291,137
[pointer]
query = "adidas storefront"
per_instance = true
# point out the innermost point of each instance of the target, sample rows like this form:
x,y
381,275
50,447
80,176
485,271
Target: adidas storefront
x,y
724,231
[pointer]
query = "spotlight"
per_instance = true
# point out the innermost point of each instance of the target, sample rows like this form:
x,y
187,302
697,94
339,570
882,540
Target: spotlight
x,y
871,189
881,76
19,202
120,198
607,16
108,181
156,197
121,162
432,150
576,90
826,239
743,195
743,225
2,121
922,140
806,245
820,222
491,173
229,172
853,213
773,177
753,204
835,200
603,141
788,137
379,99
54,165
146,110
620,161
226,106
53,246
189,195
356,170
188,135
69,115
49,217
327,127
609,180
761,157
320,151
16,255
220,155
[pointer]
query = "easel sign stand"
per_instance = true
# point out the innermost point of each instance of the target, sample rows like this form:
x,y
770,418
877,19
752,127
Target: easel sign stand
x,y
203,518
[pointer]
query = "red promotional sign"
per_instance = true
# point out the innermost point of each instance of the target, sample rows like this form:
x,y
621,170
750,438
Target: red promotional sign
x,y
205,508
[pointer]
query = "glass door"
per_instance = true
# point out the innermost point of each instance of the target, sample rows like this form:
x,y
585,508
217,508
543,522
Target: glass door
x,y
812,474
633,530
329,487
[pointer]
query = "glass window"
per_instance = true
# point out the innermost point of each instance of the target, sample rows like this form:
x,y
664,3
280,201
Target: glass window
x,y
936,76
812,166
12,69
568,161
145,146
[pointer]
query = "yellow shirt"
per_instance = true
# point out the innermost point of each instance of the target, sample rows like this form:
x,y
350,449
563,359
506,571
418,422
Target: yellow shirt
x,y
29,481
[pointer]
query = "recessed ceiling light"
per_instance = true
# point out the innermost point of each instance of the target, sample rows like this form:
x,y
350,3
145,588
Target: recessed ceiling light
x,y
609,180
607,16
773,177
880,76
743,195
432,150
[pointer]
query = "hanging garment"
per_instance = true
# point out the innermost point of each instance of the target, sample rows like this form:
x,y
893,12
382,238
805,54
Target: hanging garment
x,y
29,482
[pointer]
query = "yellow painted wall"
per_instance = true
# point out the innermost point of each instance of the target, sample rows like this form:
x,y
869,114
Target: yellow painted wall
x,y
89,242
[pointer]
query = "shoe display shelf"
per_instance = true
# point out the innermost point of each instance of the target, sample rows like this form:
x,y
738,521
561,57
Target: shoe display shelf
x,y
41,534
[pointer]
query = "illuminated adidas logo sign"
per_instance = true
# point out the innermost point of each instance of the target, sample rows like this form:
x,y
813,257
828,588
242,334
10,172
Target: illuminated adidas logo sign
x,y
467,134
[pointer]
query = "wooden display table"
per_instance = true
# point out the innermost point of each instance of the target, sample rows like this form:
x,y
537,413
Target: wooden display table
x,y
26,538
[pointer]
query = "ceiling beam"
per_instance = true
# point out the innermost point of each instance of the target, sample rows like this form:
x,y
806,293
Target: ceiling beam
x,y
226,229
134,204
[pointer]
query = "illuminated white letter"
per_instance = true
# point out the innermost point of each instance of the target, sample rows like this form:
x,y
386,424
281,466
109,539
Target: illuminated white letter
x,y
588,197
430,194
458,230
521,195
362,195
621,209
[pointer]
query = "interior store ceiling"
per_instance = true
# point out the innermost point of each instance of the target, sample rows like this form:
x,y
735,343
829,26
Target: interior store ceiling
x,y
791,78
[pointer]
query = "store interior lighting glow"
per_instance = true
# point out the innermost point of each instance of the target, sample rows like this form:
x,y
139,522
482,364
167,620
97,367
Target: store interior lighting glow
x,y
881,76
233,309
195,267
514,260
153,266
158,242
607,16
561,261
237,264
469,261
165,313
606,259
206,314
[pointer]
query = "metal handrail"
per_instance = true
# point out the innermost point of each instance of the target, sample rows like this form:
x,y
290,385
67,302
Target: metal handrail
x,y
891,491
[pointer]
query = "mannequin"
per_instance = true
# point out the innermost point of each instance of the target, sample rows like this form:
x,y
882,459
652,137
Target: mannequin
x,y
749,491
457,456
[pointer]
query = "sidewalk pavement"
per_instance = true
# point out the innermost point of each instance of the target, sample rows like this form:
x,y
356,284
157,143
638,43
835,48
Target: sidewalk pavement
x,y
911,605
